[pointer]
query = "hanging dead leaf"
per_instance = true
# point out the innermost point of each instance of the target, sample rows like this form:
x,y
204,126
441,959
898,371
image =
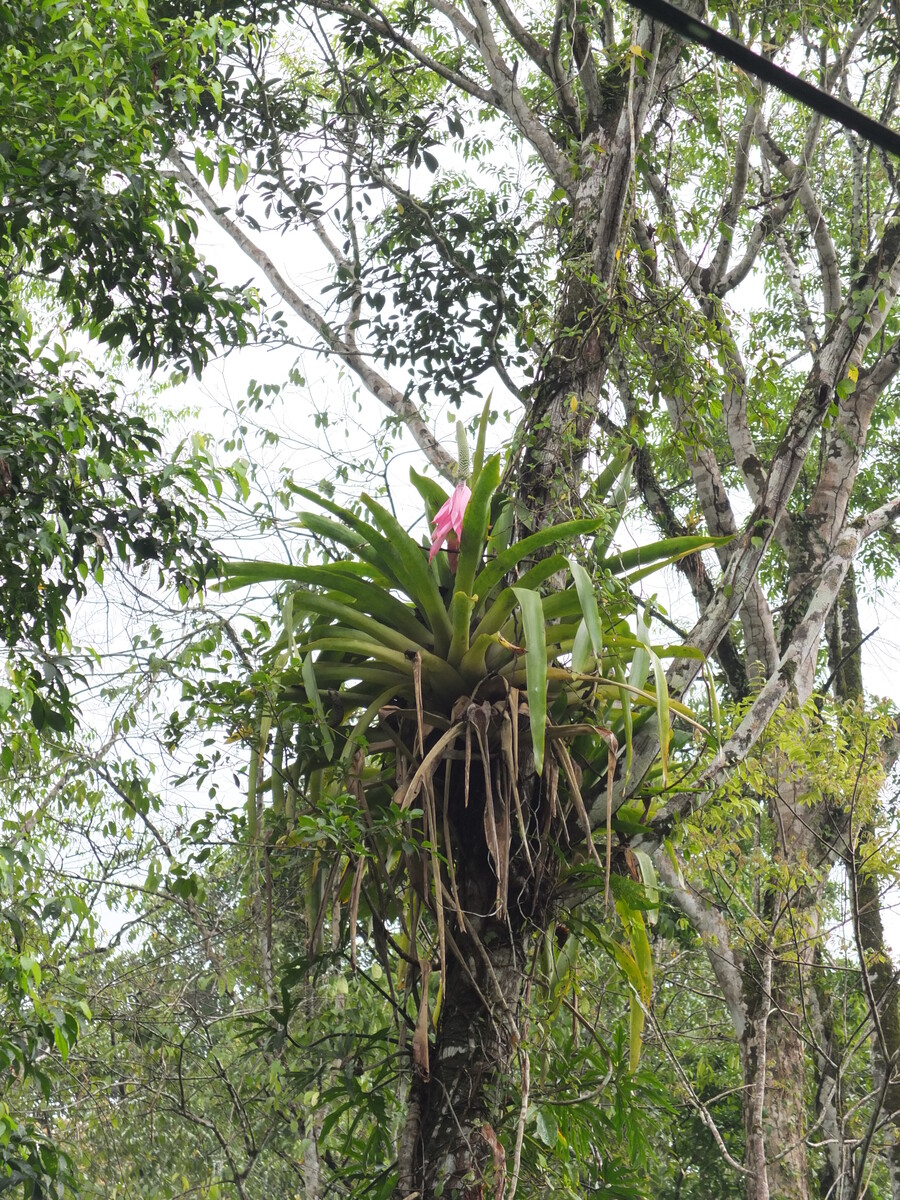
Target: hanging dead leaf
x,y
499,1156
420,1037
354,907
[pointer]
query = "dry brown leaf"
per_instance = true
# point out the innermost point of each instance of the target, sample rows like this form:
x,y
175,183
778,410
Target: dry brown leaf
x,y
420,1037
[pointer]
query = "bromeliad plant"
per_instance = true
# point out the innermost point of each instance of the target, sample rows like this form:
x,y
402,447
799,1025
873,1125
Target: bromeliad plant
x,y
483,691
462,710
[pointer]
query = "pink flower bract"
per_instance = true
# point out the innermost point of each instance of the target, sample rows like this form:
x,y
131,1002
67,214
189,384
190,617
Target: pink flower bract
x,y
449,518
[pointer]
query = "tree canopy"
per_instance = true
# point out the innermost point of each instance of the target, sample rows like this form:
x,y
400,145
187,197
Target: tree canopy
x,y
94,243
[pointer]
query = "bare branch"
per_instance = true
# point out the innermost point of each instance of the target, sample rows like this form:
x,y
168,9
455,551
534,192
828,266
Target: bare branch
x,y
457,19
796,176
713,931
557,74
533,47
398,404
756,616
734,404
687,268
586,66
769,224
507,96
880,519
732,206
792,273
844,442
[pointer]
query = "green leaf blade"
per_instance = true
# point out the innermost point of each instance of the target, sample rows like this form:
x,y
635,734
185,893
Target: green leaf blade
x,y
475,525
308,672
412,567
670,549
588,599
506,561
535,669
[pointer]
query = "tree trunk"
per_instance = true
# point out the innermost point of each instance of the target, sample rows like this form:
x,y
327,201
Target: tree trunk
x,y
776,1000
452,1150
753,1041
883,995
562,411
774,1070
450,1146
794,929
879,979
786,1111
833,1177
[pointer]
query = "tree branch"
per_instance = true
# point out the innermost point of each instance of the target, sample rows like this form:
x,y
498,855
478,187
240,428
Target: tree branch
x,y
732,205
397,403
381,25
796,176
507,96
713,930
804,643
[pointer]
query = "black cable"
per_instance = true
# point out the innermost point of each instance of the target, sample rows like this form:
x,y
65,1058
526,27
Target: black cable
x,y
754,64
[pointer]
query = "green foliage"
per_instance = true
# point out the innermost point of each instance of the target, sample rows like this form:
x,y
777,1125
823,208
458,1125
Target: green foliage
x,y
82,485
452,322
82,93
431,741
82,481
95,242
454,632
435,773
45,921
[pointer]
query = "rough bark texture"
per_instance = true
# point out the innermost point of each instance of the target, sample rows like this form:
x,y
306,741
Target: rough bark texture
x,y
884,993
773,1062
450,1147
786,1107
879,976
560,418
795,929
754,1047
563,409
833,1176
459,1153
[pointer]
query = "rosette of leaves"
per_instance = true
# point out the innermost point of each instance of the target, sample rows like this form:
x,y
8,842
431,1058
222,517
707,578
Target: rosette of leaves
x,y
382,627
483,711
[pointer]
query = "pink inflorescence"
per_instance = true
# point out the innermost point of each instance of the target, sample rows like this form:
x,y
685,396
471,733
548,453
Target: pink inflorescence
x,y
449,518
